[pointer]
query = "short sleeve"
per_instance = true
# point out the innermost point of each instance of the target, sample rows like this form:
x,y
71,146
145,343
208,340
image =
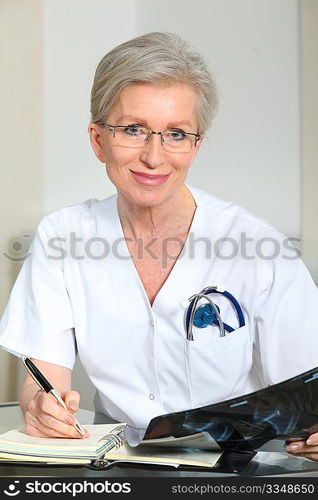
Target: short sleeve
x,y
38,320
286,320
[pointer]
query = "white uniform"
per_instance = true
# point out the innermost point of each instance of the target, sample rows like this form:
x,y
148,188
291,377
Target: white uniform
x,y
71,297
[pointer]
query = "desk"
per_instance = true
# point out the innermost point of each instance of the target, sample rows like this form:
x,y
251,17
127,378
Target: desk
x,y
270,460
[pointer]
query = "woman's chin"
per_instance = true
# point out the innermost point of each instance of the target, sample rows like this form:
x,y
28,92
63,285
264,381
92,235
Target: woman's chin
x,y
146,197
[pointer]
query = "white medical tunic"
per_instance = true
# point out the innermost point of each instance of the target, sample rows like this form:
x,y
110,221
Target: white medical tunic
x,y
79,292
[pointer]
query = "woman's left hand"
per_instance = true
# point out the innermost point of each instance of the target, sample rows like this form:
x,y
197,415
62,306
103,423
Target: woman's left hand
x,y
307,448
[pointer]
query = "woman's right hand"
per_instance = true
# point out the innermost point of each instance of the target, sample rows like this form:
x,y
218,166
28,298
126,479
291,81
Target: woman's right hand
x,y
45,417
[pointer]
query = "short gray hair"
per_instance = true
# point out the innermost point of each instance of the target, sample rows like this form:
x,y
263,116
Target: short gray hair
x,y
160,58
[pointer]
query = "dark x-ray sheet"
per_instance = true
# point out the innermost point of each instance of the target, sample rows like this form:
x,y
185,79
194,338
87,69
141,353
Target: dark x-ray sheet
x,y
282,411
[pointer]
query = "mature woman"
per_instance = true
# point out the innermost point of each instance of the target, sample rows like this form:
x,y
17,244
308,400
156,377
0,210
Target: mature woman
x,y
117,298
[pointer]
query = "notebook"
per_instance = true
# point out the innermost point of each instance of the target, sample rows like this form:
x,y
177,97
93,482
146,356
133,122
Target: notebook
x,y
107,444
17,445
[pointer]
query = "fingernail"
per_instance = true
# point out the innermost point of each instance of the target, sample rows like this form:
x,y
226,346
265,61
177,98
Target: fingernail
x,y
84,436
73,405
292,447
311,441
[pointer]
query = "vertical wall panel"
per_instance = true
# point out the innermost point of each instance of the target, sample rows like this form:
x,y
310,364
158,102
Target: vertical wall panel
x,y
309,86
252,152
77,33
21,187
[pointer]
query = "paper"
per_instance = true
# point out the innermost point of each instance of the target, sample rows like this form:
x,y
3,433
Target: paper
x,y
200,440
100,440
151,454
5,457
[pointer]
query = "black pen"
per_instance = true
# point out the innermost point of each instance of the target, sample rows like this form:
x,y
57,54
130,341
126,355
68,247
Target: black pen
x,y
46,386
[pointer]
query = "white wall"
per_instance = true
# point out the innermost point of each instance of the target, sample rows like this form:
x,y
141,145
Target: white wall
x,y
252,153
77,33
21,165
309,127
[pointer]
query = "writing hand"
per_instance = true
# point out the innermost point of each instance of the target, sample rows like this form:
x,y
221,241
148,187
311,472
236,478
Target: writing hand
x,y
44,417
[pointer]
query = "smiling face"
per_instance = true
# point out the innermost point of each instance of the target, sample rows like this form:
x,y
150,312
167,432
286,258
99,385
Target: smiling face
x,y
149,175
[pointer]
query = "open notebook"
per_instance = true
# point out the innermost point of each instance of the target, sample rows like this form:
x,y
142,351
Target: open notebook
x,y
106,444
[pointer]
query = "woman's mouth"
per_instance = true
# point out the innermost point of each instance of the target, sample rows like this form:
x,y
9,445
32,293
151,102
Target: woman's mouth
x,y
149,179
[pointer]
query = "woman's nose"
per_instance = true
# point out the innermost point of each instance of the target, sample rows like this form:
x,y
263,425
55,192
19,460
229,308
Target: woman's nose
x,y
153,153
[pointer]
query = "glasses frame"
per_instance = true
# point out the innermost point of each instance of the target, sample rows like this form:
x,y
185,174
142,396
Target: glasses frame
x,y
113,128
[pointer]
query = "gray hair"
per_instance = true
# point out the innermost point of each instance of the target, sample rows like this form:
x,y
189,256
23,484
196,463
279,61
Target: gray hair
x,y
160,58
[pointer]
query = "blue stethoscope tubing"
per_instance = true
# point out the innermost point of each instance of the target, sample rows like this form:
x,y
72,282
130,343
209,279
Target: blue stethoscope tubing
x,y
216,318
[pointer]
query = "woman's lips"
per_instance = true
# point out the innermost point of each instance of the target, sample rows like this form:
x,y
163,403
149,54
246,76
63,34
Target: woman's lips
x,y
149,179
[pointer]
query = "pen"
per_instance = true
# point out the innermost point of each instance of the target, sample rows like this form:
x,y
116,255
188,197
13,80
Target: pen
x,y
46,386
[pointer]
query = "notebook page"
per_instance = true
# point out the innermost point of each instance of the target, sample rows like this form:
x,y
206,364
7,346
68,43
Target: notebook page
x,y
16,441
200,440
4,457
149,454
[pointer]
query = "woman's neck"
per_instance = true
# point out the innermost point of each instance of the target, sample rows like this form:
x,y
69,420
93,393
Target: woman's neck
x,y
171,218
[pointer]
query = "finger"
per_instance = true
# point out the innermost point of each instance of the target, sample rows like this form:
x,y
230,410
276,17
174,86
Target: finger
x,y
296,446
52,415
35,428
313,439
301,447
45,404
71,399
57,426
47,426
52,418
32,430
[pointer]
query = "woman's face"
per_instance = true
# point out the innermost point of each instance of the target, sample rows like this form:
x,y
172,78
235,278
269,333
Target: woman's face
x,y
156,108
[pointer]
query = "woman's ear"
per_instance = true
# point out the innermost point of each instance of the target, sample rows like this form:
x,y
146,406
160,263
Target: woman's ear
x,y
97,141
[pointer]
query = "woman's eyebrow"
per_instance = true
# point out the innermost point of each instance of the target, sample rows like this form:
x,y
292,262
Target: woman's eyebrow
x,y
141,121
133,119
178,123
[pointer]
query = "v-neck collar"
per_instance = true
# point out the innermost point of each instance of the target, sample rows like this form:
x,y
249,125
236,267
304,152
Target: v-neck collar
x,y
176,271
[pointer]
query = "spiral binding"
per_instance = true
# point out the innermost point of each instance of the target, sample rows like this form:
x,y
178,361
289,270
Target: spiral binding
x,y
117,439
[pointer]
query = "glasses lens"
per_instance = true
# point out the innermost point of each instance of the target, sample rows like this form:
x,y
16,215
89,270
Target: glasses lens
x,y
177,141
131,136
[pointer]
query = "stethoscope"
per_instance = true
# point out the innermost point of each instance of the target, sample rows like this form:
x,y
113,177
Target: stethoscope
x,y
209,314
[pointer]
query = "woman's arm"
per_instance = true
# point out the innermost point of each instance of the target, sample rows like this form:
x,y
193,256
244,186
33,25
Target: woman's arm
x,y
43,416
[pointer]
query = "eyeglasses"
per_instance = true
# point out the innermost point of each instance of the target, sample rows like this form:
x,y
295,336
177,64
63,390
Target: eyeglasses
x,y
134,136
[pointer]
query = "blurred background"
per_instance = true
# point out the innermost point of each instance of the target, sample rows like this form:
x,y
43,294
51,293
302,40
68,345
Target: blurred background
x,y
261,152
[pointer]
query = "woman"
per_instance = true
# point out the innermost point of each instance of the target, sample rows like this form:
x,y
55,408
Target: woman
x,y
118,299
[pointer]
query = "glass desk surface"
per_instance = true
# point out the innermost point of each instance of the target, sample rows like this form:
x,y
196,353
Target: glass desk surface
x,y
271,460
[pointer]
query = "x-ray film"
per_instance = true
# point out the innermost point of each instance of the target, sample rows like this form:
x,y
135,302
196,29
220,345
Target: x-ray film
x,y
287,410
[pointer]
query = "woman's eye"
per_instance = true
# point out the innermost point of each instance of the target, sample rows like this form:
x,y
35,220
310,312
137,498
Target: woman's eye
x,y
176,135
133,130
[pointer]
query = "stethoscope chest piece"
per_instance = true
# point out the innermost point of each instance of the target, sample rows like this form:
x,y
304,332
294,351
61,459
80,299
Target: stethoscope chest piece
x,y
205,316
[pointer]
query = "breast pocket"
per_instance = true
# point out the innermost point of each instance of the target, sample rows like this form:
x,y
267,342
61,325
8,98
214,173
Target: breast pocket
x,y
216,364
